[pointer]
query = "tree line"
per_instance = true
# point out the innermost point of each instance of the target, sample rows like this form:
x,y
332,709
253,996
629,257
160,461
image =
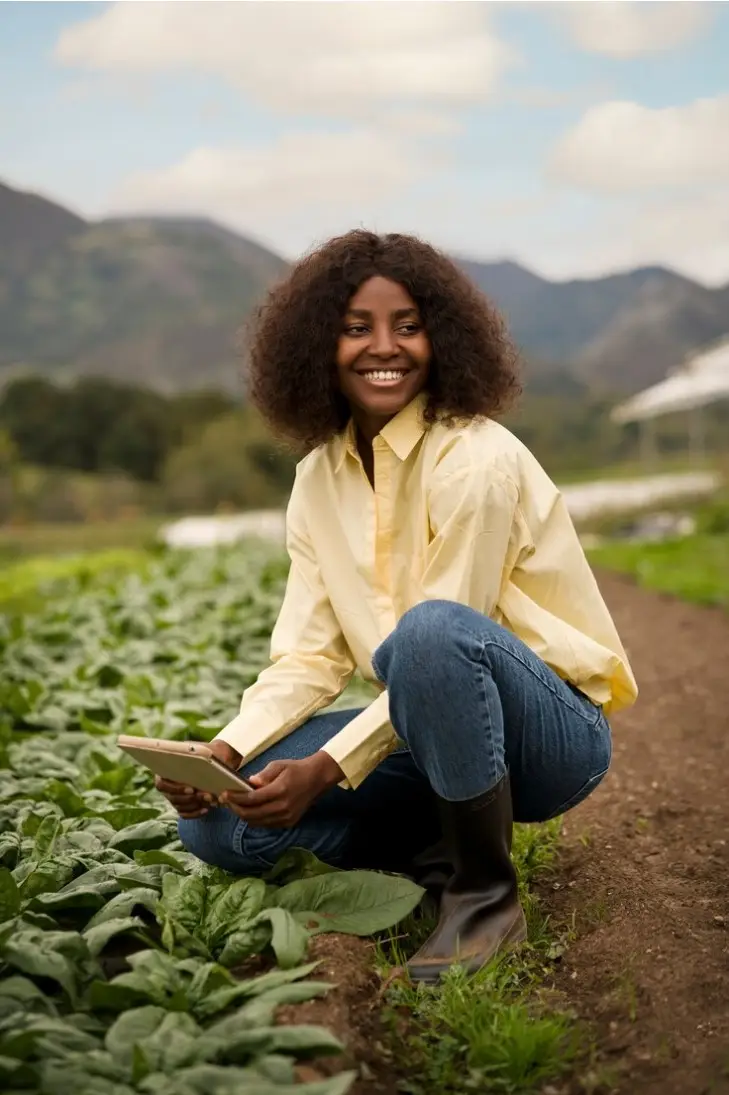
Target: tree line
x,y
196,451
99,425
70,450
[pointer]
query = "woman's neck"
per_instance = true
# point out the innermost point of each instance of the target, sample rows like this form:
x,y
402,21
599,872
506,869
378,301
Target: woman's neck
x,y
366,429
368,426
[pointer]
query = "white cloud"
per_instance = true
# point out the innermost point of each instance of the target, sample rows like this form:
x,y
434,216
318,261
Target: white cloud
x,y
307,187
302,185
625,29
622,146
331,59
690,234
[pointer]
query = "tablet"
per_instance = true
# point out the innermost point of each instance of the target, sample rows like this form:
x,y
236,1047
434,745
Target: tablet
x,y
191,763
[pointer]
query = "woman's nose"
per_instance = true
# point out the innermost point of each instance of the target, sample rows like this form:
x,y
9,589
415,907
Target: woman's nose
x,y
384,343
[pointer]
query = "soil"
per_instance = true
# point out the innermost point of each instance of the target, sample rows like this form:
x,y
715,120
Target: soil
x,y
352,1011
645,865
641,889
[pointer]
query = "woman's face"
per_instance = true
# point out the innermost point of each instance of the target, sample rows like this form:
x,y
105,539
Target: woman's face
x,y
383,353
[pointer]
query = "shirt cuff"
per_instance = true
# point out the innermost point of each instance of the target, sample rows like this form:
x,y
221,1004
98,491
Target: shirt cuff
x,y
364,742
252,732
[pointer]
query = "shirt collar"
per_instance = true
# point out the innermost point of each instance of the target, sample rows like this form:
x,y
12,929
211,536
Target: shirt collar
x,y
401,434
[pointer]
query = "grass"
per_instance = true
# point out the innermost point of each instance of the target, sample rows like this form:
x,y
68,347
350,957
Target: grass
x,y
33,557
642,469
59,538
695,568
26,584
493,1031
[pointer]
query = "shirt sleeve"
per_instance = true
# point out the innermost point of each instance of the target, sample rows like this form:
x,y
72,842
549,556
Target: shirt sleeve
x,y
477,532
311,663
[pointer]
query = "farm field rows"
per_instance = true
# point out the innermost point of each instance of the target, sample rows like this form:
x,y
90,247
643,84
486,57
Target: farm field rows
x,y
127,965
116,947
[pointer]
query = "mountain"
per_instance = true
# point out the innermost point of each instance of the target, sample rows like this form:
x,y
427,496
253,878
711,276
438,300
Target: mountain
x,y
30,227
653,333
621,332
152,300
160,300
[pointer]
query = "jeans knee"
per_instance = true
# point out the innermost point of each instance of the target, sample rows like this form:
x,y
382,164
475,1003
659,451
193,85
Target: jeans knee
x,y
211,840
422,628
191,832
423,638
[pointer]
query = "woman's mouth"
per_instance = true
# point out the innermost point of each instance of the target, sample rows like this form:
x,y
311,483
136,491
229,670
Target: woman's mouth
x,y
384,376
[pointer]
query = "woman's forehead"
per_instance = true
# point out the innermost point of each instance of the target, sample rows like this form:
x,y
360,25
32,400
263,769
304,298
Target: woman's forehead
x,y
381,294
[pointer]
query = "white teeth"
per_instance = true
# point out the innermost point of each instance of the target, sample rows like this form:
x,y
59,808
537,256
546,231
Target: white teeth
x,y
385,374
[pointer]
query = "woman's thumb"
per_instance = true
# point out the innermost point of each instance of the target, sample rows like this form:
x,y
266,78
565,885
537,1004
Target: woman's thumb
x,y
268,774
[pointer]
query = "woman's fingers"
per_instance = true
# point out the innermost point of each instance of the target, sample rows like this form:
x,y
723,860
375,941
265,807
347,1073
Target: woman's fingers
x,y
188,802
169,787
246,800
191,815
266,813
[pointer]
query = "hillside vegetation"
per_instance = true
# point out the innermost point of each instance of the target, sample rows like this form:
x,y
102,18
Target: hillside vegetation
x,y
160,301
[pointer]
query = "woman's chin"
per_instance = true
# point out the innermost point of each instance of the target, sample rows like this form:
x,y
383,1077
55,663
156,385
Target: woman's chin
x,y
386,403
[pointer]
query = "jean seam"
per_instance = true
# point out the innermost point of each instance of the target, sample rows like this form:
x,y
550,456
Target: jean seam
x,y
252,855
487,708
579,796
237,840
491,641
575,708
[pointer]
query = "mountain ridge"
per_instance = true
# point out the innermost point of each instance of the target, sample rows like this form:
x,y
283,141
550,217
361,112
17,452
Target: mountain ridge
x,y
159,299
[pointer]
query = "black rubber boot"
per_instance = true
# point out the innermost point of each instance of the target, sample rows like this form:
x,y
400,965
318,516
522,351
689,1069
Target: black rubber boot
x,y
432,869
480,911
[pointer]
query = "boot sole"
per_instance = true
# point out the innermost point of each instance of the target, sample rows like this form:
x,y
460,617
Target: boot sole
x,y
431,973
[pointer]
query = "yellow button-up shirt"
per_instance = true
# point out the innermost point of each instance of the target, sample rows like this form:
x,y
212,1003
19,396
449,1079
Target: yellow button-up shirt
x,y
457,513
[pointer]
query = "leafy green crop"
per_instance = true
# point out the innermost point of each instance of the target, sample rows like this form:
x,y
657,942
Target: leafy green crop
x,y
122,959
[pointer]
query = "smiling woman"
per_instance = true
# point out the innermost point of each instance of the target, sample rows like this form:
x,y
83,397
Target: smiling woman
x,y
431,552
383,354
373,304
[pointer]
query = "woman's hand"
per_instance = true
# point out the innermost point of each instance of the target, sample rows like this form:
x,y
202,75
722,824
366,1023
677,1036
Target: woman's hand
x,y
189,802
284,791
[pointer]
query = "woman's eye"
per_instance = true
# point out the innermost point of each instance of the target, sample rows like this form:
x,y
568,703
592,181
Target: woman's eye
x,y
355,329
409,329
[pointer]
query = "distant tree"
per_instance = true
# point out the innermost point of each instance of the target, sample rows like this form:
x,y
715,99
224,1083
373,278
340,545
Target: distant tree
x,y
190,411
233,462
35,414
8,453
97,424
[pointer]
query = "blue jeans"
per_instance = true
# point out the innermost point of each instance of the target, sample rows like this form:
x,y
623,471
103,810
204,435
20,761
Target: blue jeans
x,y
469,701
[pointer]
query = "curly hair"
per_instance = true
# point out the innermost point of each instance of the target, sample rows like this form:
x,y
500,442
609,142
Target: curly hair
x,y
293,336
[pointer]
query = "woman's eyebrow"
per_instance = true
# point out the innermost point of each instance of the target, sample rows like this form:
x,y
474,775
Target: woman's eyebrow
x,y
400,313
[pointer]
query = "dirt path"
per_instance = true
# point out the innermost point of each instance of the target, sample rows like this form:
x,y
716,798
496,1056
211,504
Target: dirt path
x,y
645,865
643,879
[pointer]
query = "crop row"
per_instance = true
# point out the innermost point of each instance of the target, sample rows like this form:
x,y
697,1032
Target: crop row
x,y
126,965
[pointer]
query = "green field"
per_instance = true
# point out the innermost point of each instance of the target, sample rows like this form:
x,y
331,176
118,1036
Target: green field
x,y
26,585
122,959
74,538
644,468
695,568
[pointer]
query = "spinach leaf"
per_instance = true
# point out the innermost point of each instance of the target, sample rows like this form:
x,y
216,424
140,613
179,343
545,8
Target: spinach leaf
x,y
355,902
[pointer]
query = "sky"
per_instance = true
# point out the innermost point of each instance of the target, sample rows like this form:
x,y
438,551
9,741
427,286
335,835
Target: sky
x,y
578,139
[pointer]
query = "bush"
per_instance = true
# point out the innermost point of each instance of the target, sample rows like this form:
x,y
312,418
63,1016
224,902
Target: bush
x,y
233,464
30,494
713,519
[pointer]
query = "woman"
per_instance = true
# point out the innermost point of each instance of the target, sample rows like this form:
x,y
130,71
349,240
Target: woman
x,y
430,551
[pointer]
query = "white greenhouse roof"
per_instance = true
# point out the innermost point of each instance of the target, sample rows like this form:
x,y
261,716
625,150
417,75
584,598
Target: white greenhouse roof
x,y
703,379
